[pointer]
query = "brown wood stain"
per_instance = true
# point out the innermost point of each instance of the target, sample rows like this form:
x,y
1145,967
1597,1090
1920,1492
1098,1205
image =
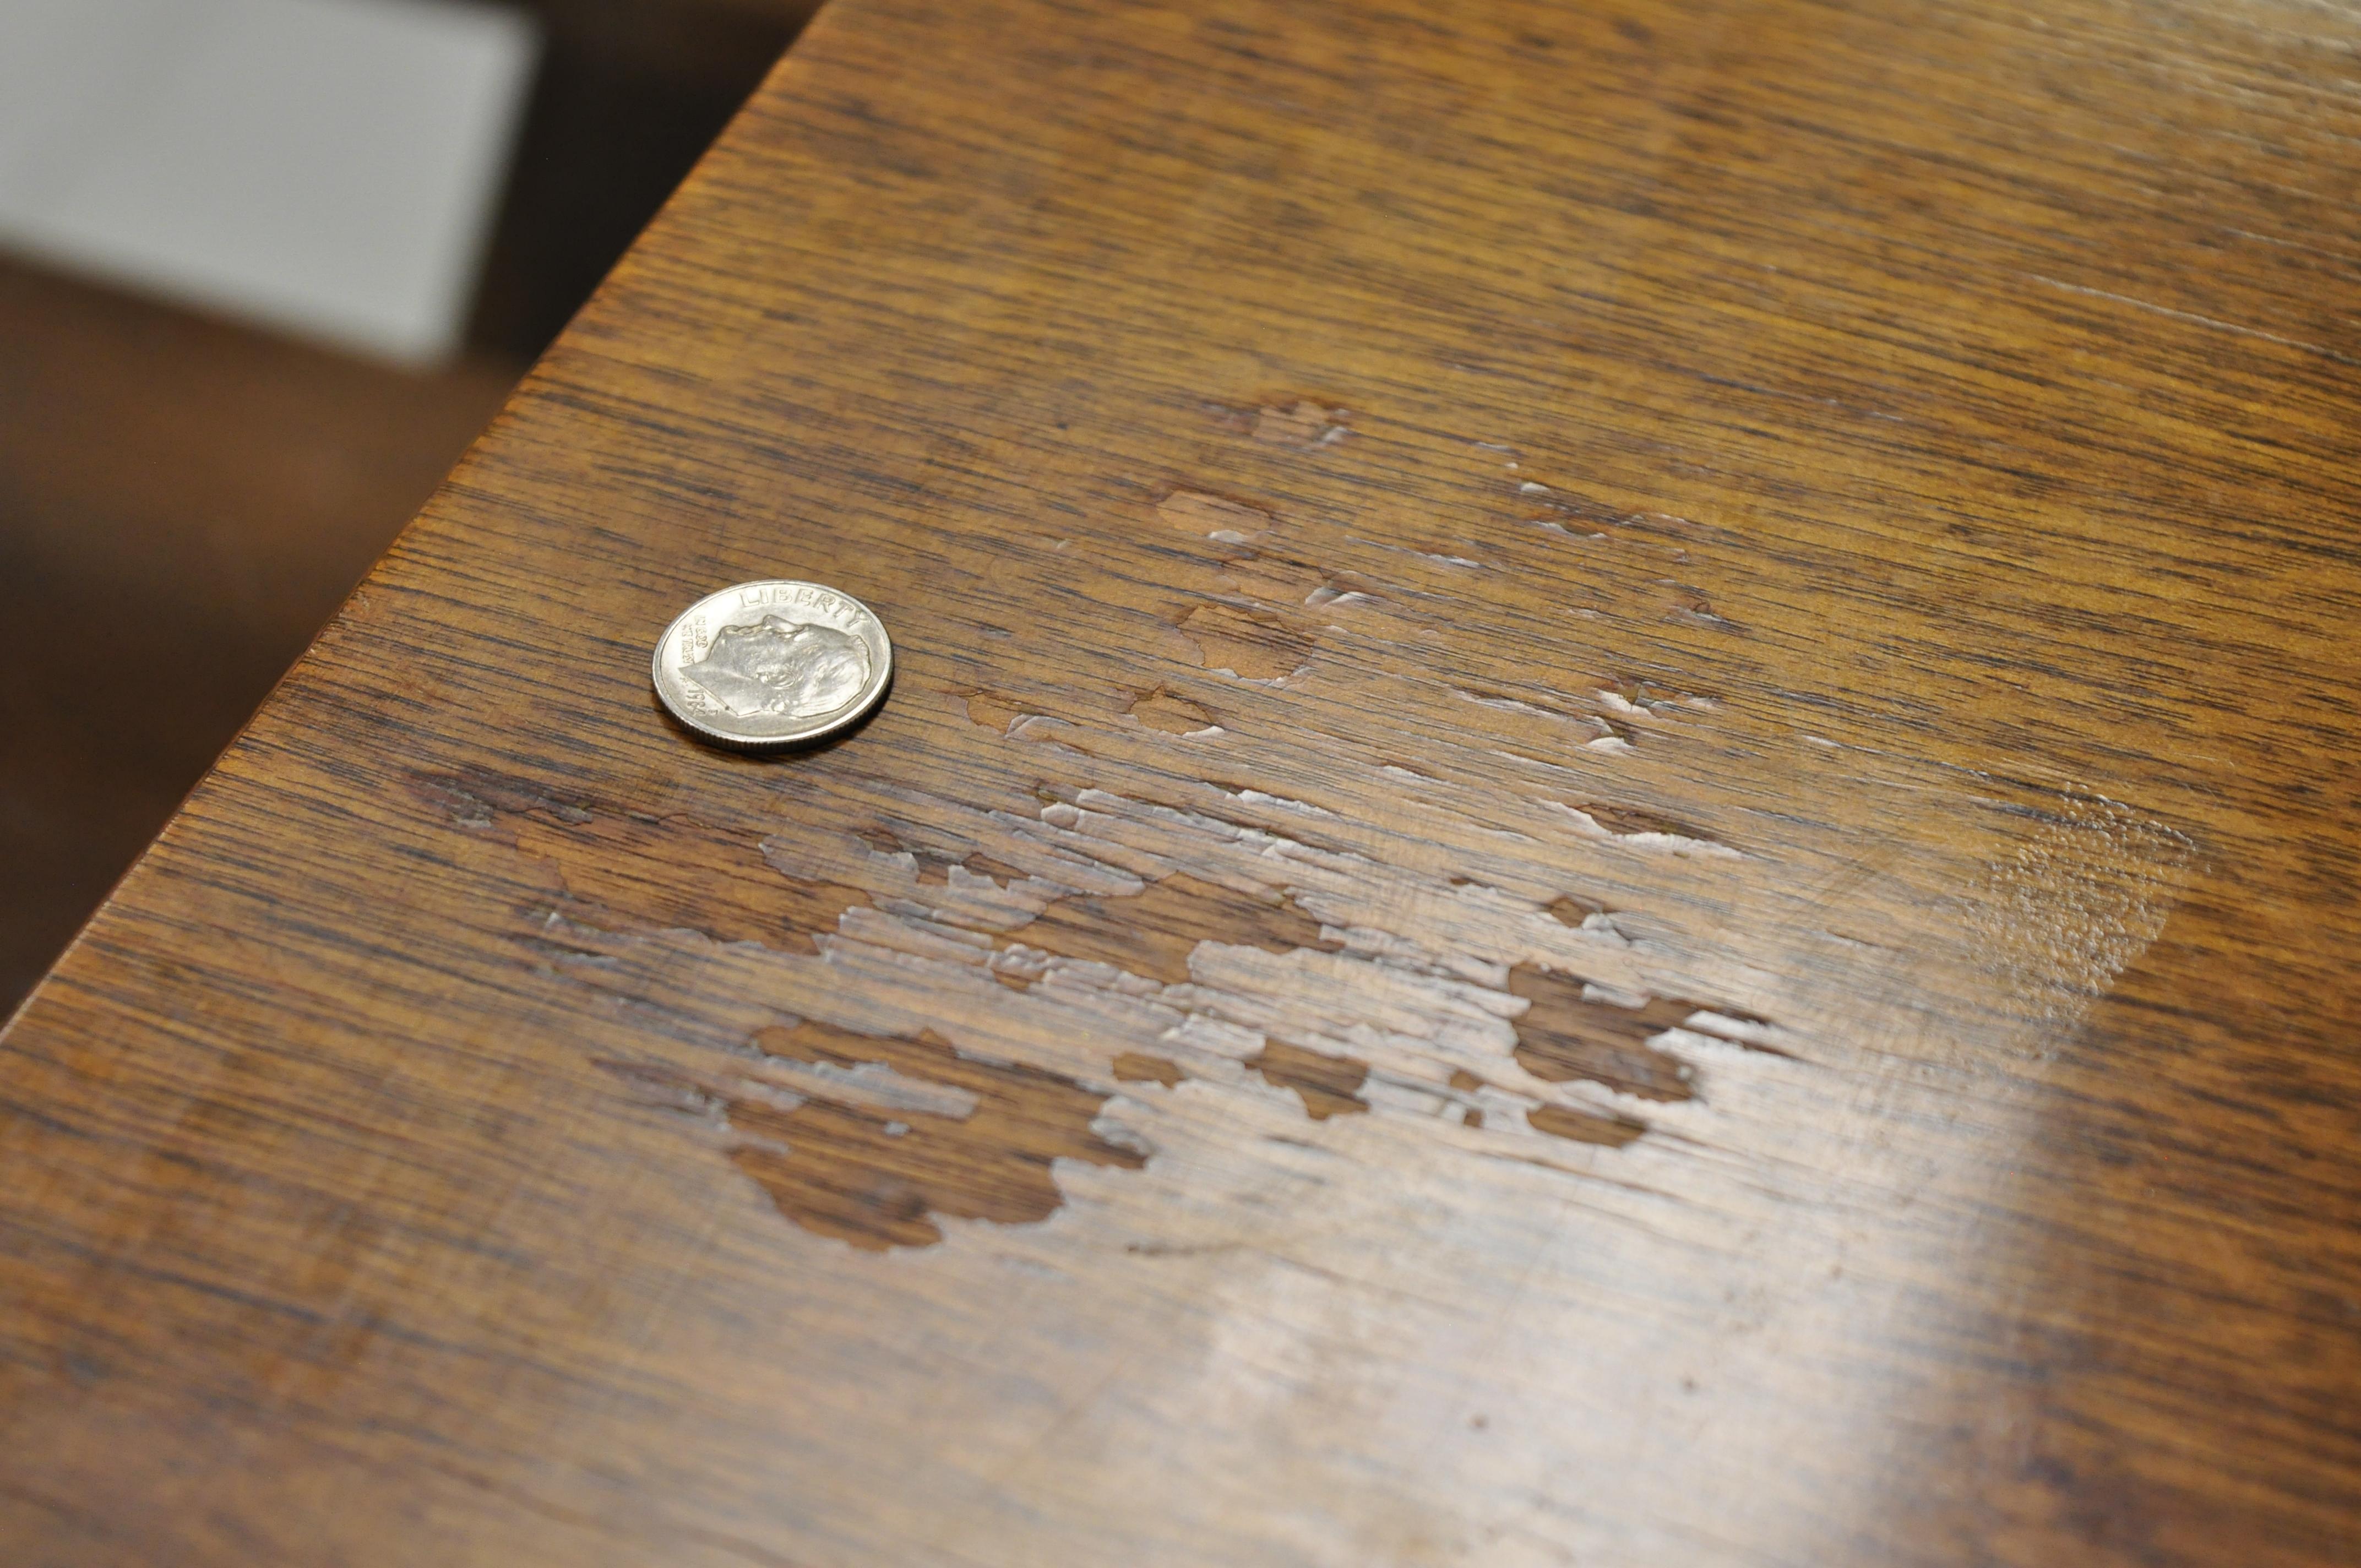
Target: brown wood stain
x,y
1615,828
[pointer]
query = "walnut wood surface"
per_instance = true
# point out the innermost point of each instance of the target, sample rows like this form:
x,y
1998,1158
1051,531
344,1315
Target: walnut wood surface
x,y
1616,829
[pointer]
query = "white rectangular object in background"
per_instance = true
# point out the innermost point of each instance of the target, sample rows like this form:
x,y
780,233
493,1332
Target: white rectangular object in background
x,y
329,167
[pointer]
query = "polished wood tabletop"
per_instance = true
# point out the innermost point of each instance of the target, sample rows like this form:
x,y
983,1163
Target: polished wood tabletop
x,y
1618,827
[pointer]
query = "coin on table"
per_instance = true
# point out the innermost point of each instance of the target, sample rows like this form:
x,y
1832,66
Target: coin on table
x,y
772,664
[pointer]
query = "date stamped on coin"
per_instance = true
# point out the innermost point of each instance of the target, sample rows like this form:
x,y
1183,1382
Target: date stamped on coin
x,y
772,664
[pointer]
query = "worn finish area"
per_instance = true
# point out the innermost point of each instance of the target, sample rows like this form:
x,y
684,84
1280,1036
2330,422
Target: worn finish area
x,y
1615,828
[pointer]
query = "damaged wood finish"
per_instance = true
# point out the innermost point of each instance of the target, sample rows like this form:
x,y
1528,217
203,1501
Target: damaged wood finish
x,y
1615,830
1569,1031
868,1139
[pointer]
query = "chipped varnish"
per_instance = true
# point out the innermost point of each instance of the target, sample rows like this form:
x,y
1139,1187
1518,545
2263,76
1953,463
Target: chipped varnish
x,y
1152,933
636,870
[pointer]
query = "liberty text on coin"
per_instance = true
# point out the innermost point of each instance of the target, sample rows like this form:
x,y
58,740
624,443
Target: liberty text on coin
x,y
772,664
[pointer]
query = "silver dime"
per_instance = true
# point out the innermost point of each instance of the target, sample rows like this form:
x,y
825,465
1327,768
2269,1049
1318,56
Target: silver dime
x,y
772,664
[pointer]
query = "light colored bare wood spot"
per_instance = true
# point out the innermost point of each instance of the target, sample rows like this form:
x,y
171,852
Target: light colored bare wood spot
x,y
1214,516
1306,425
1251,644
1161,708
992,710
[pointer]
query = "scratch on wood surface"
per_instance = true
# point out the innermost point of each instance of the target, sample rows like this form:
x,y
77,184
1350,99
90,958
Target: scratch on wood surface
x,y
2193,318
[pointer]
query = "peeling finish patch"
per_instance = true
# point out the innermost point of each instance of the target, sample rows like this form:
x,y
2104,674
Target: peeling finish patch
x,y
1306,425
1645,830
646,873
1624,821
992,711
1254,646
674,877
1600,733
668,875
1334,593
1639,697
934,865
1214,516
1573,1032
1152,933
1506,703
1571,910
1329,1086
1069,942
862,1139
1162,709
1690,605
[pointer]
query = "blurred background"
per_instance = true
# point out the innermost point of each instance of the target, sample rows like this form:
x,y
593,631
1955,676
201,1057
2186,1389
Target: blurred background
x,y
267,266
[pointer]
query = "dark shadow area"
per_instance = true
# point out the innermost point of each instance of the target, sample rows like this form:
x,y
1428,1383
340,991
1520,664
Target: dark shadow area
x,y
184,500
630,93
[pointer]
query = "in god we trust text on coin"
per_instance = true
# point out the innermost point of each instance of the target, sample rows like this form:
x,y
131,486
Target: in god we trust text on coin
x,y
772,664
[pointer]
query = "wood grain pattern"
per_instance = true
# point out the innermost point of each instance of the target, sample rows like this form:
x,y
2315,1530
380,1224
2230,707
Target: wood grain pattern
x,y
1615,828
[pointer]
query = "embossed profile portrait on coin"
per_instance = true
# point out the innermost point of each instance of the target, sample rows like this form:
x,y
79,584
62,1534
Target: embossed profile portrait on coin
x,y
772,664
787,667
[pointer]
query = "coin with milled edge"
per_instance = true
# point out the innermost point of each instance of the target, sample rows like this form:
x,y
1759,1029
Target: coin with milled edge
x,y
772,664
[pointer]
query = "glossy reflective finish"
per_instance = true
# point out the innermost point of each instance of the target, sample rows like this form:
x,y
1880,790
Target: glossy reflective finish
x,y
1615,830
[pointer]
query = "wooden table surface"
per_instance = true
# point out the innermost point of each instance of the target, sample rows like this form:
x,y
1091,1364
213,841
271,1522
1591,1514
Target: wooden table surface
x,y
1618,829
